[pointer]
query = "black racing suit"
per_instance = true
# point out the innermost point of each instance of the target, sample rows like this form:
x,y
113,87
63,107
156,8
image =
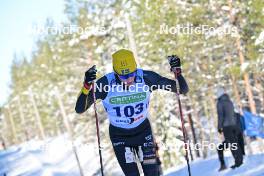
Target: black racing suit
x,y
138,140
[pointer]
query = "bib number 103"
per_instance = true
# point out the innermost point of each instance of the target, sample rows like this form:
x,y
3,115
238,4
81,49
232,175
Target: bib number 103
x,y
129,111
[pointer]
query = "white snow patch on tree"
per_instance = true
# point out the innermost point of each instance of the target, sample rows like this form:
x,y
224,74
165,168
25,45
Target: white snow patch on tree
x,y
244,66
260,38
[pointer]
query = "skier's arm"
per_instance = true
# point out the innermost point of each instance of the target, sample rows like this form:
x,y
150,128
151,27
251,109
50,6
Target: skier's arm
x,y
85,100
156,81
220,113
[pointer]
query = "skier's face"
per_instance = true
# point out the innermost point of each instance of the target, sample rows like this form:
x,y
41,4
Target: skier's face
x,y
128,79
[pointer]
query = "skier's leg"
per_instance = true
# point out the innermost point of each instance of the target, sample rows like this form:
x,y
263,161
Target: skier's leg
x,y
124,154
149,164
160,171
125,157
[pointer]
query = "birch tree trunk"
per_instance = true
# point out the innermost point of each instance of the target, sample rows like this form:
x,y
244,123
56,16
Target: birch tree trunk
x,y
252,103
69,129
234,85
13,127
37,115
131,38
22,118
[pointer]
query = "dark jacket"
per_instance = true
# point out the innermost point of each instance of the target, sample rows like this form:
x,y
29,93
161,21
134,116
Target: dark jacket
x,y
151,79
225,111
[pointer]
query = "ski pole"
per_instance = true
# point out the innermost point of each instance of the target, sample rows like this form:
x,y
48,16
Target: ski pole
x,y
97,130
77,159
182,121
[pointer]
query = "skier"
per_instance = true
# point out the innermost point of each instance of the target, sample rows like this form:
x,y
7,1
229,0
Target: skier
x,y
228,124
127,108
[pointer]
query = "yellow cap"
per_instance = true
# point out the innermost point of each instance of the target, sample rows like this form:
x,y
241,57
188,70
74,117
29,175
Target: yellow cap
x,y
124,62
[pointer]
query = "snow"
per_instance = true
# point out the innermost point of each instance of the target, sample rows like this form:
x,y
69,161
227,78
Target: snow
x,y
260,39
226,8
253,166
244,66
54,157
73,41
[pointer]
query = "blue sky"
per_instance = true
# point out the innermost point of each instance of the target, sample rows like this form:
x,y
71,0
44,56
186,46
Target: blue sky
x,y
16,19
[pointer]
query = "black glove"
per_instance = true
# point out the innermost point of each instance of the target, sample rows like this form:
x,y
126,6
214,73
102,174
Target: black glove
x,y
220,130
90,75
175,64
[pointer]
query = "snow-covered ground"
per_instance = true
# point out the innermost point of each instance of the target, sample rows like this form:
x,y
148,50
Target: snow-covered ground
x,y
55,157
253,166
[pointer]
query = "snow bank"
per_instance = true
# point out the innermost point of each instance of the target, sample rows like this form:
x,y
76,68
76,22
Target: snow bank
x,y
52,157
55,157
253,166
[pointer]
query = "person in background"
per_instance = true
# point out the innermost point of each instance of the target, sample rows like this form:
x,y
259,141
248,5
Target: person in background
x,y
228,125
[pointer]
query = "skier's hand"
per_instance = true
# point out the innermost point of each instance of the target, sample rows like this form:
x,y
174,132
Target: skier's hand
x,y
220,130
175,64
90,75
